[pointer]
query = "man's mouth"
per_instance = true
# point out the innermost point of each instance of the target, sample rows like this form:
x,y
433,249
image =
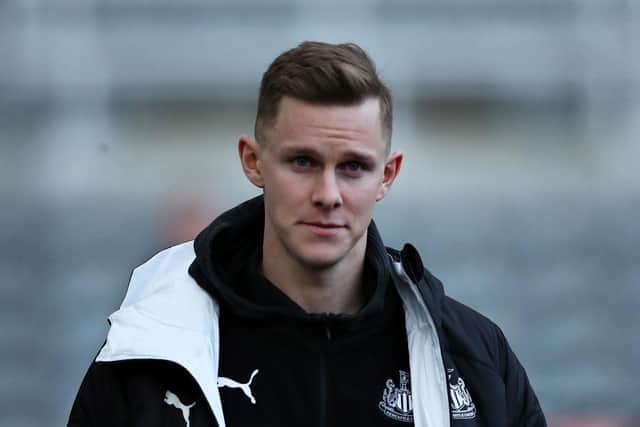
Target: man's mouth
x,y
324,229
323,224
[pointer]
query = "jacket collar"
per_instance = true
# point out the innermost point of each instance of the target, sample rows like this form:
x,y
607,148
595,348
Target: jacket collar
x,y
409,268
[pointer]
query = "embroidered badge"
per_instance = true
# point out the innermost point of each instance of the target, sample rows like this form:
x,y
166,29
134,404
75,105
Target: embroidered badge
x,y
396,402
462,407
173,400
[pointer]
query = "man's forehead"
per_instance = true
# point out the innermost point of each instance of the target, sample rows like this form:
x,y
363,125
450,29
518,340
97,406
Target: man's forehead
x,y
295,115
288,104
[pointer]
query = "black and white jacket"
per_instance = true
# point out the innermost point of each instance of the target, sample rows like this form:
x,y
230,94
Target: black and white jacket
x,y
159,365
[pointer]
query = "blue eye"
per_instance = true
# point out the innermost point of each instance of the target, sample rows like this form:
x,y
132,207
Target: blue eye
x,y
353,166
302,161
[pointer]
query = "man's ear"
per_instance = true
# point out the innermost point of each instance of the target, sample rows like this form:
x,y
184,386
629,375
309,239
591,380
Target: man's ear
x,y
249,157
391,170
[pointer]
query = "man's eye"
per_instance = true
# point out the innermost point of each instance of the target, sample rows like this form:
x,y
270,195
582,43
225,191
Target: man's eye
x,y
353,166
302,162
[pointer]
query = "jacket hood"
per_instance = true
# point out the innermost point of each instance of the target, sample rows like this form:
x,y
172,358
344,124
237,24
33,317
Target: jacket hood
x,y
228,254
165,315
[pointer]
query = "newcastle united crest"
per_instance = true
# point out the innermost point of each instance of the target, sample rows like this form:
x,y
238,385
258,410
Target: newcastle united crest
x,y
396,402
462,407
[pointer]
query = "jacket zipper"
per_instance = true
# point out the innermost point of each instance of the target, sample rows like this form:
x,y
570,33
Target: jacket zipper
x,y
324,411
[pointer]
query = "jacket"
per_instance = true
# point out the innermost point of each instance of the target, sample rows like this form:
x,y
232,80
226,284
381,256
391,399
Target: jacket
x,y
160,359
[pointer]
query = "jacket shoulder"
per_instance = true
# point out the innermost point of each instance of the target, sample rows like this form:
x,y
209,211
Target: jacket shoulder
x,y
468,318
473,335
167,265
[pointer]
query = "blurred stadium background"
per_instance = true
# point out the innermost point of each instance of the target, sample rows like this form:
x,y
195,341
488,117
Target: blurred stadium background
x,y
520,122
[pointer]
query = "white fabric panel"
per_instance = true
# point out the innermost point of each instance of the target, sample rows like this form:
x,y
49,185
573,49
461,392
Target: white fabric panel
x,y
429,385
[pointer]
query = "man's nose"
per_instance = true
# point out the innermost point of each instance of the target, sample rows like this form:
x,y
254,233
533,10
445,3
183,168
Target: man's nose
x,y
326,192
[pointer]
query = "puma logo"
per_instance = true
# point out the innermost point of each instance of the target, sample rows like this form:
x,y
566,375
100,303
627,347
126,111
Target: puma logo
x,y
172,399
228,382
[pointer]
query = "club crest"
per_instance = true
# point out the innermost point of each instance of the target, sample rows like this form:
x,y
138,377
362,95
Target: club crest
x,y
396,402
462,407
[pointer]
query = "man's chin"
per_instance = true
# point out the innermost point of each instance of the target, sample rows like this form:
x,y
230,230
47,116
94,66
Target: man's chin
x,y
320,260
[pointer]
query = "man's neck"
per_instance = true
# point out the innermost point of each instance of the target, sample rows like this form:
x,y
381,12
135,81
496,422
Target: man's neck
x,y
335,289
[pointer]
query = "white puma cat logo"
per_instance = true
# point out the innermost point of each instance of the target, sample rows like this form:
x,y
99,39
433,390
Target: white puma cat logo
x,y
172,399
228,382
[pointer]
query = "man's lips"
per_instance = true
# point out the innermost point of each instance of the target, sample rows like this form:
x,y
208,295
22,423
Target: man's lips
x,y
323,224
323,229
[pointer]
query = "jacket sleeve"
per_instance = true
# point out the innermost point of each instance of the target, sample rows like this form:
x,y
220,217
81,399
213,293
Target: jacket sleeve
x,y
100,400
523,408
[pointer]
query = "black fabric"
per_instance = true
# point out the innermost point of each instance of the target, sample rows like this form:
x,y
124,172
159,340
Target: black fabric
x,y
316,373
307,377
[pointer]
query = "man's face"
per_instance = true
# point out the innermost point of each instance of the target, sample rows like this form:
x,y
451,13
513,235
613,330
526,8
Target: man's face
x,y
322,169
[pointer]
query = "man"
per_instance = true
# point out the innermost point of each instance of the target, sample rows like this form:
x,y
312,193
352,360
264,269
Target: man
x,y
288,310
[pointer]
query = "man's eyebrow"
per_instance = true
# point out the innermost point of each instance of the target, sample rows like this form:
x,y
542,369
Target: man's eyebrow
x,y
361,155
298,150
